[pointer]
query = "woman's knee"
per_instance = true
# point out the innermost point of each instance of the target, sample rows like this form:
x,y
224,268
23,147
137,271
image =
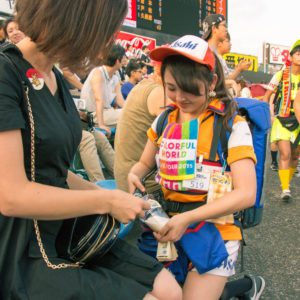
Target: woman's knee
x,y
285,156
166,287
284,150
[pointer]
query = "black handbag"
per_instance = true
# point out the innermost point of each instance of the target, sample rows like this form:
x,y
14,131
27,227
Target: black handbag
x,y
92,236
290,123
89,236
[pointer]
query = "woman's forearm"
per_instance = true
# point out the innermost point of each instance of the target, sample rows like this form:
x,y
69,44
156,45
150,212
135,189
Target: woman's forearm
x,y
75,182
228,204
140,169
99,112
34,200
242,196
146,162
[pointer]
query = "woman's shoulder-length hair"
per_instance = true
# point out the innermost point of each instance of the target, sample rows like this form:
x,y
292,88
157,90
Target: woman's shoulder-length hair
x,y
74,33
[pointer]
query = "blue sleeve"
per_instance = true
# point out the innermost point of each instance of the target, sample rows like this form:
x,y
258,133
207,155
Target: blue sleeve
x,y
125,89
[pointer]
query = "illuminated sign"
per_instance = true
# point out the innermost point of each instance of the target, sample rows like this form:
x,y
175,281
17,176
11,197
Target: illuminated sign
x,y
176,17
130,19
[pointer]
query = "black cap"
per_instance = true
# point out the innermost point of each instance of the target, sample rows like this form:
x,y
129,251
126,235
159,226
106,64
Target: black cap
x,y
208,23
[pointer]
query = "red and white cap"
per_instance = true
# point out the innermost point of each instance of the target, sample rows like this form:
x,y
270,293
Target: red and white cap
x,y
189,46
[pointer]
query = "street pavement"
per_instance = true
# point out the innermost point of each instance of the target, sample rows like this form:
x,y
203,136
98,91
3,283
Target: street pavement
x,y
273,247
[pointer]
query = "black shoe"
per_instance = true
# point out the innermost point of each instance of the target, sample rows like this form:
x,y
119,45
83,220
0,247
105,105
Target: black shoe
x,y
274,166
258,285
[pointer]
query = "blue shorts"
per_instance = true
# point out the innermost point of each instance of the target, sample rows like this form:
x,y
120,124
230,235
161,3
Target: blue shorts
x,y
200,249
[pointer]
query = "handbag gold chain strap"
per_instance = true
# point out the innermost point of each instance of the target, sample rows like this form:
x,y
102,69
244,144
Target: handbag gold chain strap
x,y
36,226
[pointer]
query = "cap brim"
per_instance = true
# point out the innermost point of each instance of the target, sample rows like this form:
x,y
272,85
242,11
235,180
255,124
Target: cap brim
x,y
160,53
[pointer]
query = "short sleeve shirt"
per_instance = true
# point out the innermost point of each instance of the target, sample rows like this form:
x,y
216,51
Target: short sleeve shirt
x,y
57,124
240,146
57,128
126,88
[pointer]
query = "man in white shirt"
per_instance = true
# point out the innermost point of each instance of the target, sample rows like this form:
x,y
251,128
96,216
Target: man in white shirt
x,y
102,91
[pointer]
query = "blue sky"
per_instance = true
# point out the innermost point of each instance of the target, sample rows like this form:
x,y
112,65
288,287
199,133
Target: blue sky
x,y
252,22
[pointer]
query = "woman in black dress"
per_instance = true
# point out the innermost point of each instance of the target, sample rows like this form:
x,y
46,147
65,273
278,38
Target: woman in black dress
x,y
74,33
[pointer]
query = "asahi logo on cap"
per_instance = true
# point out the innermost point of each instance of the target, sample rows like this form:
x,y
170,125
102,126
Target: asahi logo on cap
x,y
184,44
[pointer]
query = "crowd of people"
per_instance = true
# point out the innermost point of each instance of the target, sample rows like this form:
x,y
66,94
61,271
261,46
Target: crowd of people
x,y
121,131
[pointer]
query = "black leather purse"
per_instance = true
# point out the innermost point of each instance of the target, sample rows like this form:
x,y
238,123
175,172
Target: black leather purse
x,y
92,236
87,237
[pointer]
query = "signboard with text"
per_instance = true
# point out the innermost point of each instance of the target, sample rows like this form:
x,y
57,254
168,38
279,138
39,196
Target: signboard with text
x,y
278,54
130,19
176,17
232,60
221,7
137,41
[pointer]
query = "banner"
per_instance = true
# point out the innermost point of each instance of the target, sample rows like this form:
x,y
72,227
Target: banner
x,y
278,54
137,41
130,19
232,60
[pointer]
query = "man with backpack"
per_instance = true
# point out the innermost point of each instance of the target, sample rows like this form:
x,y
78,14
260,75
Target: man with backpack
x,y
285,128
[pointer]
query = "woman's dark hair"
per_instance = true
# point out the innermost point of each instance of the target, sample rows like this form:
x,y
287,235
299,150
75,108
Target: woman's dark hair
x,y
6,25
116,53
74,33
223,94
188,74
296,49
132,66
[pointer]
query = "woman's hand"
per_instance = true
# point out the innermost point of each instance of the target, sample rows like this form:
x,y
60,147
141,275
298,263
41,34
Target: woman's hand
x,y
244,65
134,182
125,207
174,229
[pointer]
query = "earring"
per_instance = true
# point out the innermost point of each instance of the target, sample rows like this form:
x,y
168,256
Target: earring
x,y
212,94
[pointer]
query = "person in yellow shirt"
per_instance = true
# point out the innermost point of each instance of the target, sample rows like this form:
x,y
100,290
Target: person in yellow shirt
x,y
285,128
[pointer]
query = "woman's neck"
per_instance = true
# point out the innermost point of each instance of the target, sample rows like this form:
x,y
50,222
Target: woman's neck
x,y
295,69
36,58
184,117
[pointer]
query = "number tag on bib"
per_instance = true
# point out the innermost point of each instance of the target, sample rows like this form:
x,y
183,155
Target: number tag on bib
x,y
203,176
200,182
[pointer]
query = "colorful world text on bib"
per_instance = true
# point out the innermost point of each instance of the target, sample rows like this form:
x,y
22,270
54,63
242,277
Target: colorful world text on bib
x,y
178,151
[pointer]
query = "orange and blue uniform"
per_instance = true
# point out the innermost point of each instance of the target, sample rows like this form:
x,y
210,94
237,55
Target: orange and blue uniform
x,y
239,147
